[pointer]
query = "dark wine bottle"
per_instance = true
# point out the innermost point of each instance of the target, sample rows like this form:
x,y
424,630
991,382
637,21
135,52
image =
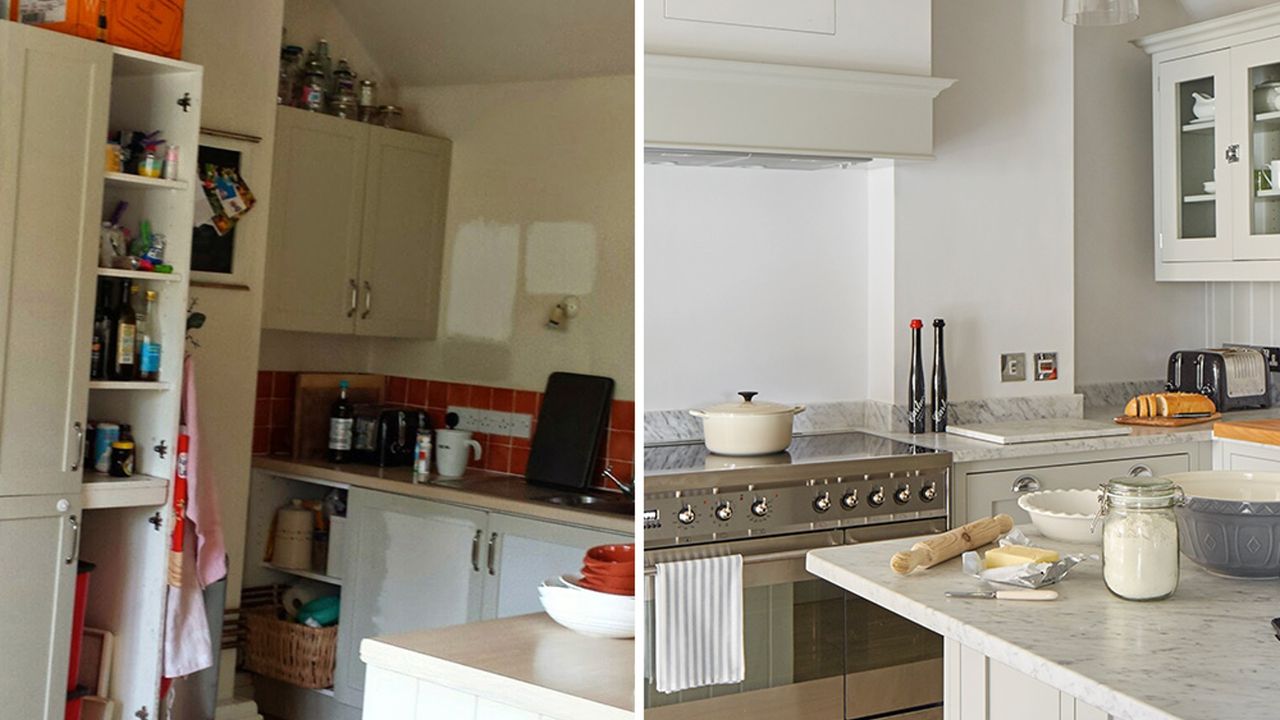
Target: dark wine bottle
x,y
341,426
915,383
939,379
101,333
123,364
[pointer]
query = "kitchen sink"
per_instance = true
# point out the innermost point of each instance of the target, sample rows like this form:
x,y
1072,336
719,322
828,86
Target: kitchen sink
x,y
599,503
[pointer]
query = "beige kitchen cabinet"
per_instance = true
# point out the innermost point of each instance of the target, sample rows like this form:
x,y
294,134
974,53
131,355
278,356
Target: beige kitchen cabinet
x,y
54,97
981,688
985,489
356,235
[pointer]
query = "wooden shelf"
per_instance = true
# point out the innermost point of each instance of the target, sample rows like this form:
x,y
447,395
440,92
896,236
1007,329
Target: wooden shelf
x,y
319,577
138,181
1198,127
140,275
1199,198
103,491
129,385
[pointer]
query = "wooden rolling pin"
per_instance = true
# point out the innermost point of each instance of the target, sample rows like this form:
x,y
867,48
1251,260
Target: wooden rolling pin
x,y
951,543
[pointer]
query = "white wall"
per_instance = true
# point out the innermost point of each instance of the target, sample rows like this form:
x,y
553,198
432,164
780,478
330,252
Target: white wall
x,y
876,35
306,21
1126,322
754,282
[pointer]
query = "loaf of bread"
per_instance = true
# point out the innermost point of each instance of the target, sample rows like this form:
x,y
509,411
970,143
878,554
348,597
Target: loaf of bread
x,y
1168,404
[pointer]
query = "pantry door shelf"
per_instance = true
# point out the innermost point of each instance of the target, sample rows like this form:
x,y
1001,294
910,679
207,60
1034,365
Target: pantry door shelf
x,y
119,179
101,491
140,275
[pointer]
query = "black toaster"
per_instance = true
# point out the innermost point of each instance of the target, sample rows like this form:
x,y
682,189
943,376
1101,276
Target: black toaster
x,y
1233,377
386,436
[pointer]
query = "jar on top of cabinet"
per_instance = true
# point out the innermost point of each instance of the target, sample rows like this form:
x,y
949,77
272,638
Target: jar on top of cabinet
x,y
1140,537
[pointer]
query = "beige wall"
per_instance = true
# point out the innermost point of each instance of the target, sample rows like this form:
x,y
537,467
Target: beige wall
x,y
523,153
306,21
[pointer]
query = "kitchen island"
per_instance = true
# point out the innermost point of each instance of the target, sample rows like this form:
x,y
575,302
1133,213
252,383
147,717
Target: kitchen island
x,y
520,668
1207,653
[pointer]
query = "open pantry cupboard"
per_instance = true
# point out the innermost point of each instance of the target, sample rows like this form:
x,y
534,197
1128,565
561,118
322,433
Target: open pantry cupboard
x,y
59,98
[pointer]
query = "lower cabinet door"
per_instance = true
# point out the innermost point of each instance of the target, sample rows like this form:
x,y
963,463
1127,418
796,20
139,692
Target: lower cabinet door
x,y
38,537
520,553
411,565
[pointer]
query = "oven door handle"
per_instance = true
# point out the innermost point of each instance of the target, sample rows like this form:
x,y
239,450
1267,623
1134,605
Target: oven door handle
x,y
651,570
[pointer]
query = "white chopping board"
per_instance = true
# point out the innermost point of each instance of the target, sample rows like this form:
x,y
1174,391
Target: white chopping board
x,y
1029,431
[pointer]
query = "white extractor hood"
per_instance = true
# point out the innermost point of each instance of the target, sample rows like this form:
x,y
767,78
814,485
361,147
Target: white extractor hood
x,y
700,111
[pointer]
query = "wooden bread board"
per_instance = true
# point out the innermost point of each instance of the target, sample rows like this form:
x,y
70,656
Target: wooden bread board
x,y
312,401
1166,421
1266,432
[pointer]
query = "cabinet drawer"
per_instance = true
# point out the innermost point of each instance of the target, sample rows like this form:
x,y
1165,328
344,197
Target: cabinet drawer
x,y
989,493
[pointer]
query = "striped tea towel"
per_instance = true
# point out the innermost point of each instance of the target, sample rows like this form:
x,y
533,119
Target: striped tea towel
x,y
698,623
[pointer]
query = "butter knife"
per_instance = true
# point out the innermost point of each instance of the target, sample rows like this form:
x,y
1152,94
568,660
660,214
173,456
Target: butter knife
x,y
1007,595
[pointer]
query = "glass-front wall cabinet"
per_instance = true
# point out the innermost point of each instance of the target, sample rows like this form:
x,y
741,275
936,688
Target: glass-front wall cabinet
x,y
1256,72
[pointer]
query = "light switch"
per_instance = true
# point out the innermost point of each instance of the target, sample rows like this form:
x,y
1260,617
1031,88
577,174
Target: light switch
x,y
1013,367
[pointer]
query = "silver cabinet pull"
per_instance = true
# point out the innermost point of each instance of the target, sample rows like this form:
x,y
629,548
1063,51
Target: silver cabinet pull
x,y
79,446
475,551
493,541
1025,484
355,290
368,299
1140,470
1233,153
75,539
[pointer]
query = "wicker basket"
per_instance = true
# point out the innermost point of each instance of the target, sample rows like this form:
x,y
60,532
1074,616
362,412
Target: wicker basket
x,y
288,651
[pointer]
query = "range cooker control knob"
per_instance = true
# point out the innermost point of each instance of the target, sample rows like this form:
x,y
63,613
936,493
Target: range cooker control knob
x,y
822,503
929,492
724,511
850,499
903,494
760,507
876,498
686,515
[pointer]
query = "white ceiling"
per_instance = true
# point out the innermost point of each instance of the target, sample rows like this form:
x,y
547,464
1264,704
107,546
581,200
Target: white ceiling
x,y
448,42
1199,10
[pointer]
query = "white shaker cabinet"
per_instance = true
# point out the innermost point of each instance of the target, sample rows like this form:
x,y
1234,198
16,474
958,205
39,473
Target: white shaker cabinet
x,y
981,688
38,534
356,233
54,96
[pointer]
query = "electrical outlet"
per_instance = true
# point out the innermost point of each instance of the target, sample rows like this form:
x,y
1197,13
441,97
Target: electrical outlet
x,y
1013,367
494,422
1046,366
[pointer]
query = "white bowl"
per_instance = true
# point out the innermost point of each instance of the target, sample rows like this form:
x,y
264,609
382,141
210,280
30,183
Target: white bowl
x,y
1065,515
1210,187
589,618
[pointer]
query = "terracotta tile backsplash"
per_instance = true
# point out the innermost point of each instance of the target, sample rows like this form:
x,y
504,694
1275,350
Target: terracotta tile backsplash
x,y
273,419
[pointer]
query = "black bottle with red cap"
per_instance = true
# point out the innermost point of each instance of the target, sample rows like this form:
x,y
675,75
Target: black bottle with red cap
x,y
915,383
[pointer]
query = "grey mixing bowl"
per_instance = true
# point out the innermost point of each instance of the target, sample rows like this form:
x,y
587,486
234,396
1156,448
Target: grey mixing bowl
x,y
1230,524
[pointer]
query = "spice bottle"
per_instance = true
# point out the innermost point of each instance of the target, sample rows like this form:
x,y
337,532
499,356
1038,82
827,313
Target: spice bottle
x,y
1140,537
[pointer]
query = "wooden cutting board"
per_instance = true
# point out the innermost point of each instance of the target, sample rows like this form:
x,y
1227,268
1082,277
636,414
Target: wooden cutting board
x,y
1166,421
313,400
1266,432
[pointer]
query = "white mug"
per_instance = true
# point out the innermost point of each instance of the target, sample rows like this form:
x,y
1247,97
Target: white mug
x,y
451,452
1273,168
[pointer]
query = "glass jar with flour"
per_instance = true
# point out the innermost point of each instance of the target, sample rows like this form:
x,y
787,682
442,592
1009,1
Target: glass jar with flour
x,y
1140,537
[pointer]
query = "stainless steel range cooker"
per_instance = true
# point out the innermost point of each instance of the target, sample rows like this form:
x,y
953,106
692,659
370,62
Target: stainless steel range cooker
x,y
812,650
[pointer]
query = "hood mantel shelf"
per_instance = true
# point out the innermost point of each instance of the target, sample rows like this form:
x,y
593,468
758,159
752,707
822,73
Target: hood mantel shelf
x,y
787,110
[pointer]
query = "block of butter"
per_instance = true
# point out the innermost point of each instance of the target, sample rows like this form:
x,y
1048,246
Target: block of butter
x,y
1019,555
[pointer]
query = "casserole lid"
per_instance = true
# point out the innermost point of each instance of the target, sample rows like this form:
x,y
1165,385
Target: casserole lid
x,y
748,407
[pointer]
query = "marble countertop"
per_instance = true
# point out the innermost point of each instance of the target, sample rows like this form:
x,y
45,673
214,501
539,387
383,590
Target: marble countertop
x,y
528,662
1206,652
477,488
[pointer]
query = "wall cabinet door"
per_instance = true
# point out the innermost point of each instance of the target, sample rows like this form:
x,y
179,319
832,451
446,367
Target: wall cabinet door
x,y
38,535
313,245
521,553
411,565
402,245
990,493
54,94
1256,126
1191,150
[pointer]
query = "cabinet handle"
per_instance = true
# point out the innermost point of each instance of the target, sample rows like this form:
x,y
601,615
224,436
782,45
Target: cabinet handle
x,y
475,551
355,290
368,299
1025,483
1140,470
75,539
493,540
1233,153
79,446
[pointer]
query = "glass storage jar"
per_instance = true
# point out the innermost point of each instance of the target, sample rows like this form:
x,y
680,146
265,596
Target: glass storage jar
x,y
1140,537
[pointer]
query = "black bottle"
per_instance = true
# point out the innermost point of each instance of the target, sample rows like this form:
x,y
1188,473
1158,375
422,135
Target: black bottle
x,y
915,383
341,426
101,333
939,379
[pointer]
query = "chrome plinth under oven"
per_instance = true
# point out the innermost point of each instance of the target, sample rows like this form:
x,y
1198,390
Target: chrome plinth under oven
x,y
812,650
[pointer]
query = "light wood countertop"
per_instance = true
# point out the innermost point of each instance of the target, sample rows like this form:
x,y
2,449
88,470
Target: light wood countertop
x,y
528,661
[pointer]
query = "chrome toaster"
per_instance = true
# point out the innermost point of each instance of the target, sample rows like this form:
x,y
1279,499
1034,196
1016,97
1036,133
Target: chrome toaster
x,y
1233,377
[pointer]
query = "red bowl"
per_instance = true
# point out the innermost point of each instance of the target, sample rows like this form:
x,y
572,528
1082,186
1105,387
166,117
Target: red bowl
x,y
612,554
613,569
615,579
605,587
